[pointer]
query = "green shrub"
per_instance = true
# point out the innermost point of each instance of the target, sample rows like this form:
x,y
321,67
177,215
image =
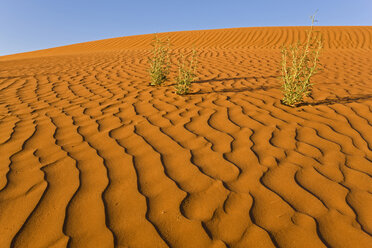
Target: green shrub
x,y
186,73
160,61
299,64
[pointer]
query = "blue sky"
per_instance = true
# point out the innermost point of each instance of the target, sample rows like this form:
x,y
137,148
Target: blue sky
x,y
28,25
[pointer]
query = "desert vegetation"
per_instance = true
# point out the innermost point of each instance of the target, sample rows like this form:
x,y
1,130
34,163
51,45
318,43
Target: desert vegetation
x,y
186,73
160,61
160,66
299,64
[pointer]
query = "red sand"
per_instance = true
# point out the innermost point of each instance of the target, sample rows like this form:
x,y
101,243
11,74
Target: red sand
x,y
92,156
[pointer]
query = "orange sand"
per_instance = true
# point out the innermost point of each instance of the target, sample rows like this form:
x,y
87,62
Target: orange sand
x,y
92,156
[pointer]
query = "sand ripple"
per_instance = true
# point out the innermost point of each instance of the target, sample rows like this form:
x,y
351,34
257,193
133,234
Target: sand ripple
x,y
92,156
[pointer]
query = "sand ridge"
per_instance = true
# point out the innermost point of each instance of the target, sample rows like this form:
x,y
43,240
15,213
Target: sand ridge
x,y
92,156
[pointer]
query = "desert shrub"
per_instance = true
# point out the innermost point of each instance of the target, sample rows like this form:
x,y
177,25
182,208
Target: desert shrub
x,y
186,73
160,61
299,63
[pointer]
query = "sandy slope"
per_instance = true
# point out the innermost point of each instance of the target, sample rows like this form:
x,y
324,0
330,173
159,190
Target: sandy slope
x,y
92,156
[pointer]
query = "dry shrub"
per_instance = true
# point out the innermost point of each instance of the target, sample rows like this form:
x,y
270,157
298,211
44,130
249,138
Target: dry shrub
x,y
160,61
299,64
186,73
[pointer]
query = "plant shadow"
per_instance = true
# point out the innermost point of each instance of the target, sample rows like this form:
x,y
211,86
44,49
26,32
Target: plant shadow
x,y
331,101
241,89
236,78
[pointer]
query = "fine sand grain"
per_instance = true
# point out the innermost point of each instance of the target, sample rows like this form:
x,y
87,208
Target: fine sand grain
x,y
92,156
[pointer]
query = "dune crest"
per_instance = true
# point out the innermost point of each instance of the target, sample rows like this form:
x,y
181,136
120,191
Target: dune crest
x,y
92,156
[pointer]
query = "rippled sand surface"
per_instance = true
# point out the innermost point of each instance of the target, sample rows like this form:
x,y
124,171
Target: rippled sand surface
x,y
92,156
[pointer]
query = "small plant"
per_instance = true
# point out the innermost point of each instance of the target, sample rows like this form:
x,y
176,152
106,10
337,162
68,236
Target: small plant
x,y
160,61
299,64
186,73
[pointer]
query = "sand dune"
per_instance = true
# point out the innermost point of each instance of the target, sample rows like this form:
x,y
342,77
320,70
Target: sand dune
x,y
92,156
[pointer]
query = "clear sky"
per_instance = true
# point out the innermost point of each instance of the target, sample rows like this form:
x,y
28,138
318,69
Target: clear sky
x,y
28,25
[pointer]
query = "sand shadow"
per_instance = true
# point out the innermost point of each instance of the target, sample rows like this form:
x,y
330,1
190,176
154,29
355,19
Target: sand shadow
x,y
29,75
331,101
11,77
